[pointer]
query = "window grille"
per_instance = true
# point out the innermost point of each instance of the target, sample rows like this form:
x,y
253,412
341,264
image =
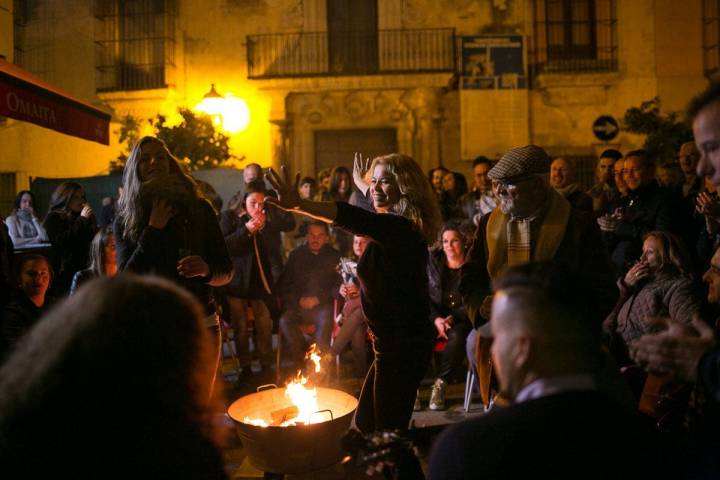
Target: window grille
x,y
135,42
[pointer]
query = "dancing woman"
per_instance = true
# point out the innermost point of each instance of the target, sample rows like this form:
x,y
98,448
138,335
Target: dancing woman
x,y
393,280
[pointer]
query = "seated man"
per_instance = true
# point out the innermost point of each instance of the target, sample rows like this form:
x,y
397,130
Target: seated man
x,y
560,425
307,286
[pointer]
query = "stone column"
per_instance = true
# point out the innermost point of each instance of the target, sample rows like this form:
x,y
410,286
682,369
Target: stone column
x,y
280,135
426,105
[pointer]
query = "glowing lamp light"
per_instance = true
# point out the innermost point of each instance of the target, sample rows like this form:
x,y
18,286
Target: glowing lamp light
x,y
230,114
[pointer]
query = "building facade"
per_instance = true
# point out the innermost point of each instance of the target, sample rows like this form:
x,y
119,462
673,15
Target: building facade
x,y
442,81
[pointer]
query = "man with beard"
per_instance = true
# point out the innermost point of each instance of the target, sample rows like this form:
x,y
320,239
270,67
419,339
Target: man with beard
x,y
532,223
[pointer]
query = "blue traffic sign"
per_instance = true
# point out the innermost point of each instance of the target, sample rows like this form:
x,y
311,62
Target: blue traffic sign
x,y
605,128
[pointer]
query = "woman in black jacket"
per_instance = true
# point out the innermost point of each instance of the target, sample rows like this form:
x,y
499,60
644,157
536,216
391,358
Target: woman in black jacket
x,y
447,312
393,285
70,225
252,285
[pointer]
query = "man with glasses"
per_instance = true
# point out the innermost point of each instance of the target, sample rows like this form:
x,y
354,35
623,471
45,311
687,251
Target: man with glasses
x,y
650,207
531,223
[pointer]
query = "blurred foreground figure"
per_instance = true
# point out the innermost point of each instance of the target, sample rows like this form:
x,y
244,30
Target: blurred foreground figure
x,y
112,384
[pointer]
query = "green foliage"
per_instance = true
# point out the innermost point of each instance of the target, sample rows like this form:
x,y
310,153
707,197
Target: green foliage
x,y
664,133
195,140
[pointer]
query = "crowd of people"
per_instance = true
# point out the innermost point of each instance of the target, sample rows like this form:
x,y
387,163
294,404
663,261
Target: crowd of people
x,y
587,316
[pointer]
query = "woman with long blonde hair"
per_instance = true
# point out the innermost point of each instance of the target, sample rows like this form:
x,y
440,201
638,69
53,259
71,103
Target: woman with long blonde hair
x,y
393,283
166,227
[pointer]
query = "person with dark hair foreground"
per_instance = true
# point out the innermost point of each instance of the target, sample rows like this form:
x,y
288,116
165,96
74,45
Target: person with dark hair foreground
x,y
27,304
112,384
560,425
393,285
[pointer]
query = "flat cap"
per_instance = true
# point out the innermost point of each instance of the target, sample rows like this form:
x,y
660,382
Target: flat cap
x,y
520,161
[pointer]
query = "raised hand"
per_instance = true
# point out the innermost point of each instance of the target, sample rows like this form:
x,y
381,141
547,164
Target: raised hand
x,y
86,211
288,195
257,222
360,168
708,204
636,273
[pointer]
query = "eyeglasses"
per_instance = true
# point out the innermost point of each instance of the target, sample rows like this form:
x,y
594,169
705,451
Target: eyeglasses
x,y
509,185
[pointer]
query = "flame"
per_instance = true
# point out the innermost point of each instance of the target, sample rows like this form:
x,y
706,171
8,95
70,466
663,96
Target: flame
x,y
258,422
304,398
314,354
301,396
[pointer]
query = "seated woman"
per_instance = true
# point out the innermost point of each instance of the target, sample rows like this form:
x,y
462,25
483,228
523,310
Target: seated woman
x,y
446,309
114,383
71,226
658,285
28,304
23,224
354,324
102,258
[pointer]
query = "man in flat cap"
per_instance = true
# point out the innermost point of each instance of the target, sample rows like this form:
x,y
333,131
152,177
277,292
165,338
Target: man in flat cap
x,y
531,223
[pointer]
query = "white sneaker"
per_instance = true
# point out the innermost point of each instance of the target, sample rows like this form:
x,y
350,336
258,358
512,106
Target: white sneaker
x,y
418,406
437,397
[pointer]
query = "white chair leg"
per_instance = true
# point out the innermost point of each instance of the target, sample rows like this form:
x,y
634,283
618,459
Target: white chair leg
x,y
469,385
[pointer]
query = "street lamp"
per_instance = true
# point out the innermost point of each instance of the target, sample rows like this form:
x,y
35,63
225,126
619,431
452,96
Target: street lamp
x,y
228,113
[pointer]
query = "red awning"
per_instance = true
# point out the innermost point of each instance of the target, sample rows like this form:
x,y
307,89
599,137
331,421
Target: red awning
x,y
27,97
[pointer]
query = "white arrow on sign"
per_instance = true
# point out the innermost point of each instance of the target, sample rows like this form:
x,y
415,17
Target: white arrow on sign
x,y
607,128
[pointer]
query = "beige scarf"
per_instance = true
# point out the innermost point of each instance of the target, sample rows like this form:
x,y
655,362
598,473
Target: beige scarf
x,y
509,241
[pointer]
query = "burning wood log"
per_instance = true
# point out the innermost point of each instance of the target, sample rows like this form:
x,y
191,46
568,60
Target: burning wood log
x,y
284,414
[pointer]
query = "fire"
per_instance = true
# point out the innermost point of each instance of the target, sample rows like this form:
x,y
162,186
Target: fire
x,y
314,355
304,400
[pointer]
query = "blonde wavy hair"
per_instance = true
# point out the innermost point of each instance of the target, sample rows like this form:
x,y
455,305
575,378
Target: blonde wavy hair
x,y
130,206
418,202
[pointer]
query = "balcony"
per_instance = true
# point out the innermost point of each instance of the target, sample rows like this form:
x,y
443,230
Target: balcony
x,y
283,55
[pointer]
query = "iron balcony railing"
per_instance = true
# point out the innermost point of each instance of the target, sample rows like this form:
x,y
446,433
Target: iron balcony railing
x,y
350,53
